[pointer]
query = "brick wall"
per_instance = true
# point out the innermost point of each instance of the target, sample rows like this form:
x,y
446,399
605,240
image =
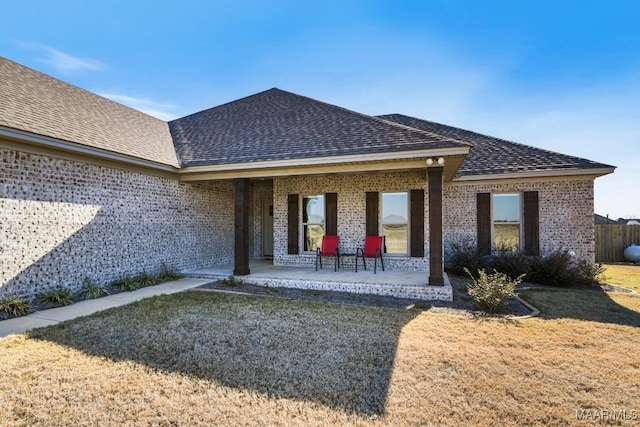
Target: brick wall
x,y
63,220
565,208
351,191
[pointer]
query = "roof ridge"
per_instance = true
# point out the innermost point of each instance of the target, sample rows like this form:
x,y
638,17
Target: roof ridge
x,y
376,118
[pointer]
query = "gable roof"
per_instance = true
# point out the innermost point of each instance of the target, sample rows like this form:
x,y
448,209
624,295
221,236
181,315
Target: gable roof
x,y
489,155
280,125
40,104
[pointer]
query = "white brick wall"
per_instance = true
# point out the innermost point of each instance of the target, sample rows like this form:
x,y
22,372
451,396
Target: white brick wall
x,y
63,220
565,209
351,191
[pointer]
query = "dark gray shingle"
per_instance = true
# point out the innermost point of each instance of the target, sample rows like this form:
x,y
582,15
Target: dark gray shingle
x,y
489,155
37,103
279,125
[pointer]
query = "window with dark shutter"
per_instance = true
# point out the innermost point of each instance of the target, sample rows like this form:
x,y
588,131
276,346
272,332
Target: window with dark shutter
x,y
293,227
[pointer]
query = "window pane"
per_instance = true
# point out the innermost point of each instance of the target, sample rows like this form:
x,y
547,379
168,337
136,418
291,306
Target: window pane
x,y
313,209
313,237
396,238
506,208
395,207
506,237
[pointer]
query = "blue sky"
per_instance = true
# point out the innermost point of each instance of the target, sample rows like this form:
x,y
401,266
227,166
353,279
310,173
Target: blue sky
x,y
560,75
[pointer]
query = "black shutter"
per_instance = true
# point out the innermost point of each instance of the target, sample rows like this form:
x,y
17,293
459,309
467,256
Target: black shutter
x,y
416,222
372,214
331,212
484,223
531,224
293,227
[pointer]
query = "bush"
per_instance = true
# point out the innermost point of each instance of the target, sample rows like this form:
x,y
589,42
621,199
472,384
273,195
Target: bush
x,y
90,290
461,256
561,269
513,264
491,290
145,279
14,306
126,283
232,281
167,275
58,297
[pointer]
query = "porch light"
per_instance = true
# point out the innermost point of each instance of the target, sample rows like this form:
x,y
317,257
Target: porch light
x,y
440,161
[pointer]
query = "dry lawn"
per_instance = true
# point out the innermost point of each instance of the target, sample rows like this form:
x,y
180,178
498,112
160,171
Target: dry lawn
x,y
210,359
626,275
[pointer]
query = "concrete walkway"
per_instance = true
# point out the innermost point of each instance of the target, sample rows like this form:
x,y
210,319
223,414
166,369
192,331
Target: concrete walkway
x,y
52,316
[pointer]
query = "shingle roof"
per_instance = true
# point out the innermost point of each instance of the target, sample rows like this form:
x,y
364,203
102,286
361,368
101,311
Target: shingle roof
x,y
601,220
40,104
279,125
489,155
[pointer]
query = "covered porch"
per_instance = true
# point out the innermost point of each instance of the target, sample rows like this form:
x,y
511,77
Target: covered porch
x,y
396,283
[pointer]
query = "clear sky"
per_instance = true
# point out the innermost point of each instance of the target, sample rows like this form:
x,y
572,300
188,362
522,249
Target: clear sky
x,y
560,75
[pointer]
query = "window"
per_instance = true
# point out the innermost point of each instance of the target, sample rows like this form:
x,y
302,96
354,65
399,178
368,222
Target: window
x,y
395,222
506,221
312,222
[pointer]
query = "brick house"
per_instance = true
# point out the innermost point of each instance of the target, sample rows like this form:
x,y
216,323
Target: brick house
x,y
89,187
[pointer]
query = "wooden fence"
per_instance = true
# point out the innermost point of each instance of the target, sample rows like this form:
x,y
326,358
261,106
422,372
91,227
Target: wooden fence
x,y
613,239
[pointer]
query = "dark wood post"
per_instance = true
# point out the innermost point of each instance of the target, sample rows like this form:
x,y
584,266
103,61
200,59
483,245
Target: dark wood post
x,y
241,255
436,265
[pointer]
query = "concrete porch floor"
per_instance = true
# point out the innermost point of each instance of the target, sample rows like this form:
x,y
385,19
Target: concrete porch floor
x,y
402,284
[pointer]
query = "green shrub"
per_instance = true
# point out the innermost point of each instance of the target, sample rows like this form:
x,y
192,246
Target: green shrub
x,y
14,306
90,290
491,290
126,283
590,274
232,281
167,275
462,255
513,264
552,270
145,279
58,297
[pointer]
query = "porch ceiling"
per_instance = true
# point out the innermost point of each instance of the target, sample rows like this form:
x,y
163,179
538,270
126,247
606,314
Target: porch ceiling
x,y
329,165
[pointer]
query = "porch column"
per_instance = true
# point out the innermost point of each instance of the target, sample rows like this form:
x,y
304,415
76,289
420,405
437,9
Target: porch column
x,y
241,255
436,265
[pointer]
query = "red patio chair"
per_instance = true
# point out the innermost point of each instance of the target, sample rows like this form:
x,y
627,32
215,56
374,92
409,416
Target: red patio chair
x,y
372,249
329,248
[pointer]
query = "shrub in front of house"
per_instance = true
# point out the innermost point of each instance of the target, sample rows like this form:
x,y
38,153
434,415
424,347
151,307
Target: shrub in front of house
x,y
56,297
90,290
490,291
461,256
513,264
14,306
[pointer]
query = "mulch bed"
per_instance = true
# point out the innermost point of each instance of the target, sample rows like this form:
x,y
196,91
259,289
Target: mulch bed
x,y
462,304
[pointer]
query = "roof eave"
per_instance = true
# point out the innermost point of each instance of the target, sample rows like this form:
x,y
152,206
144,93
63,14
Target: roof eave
x,y
413,159
547,173
20,140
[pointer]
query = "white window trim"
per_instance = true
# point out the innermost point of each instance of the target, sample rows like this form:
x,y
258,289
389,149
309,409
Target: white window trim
x,y
520,222
408,224
302,223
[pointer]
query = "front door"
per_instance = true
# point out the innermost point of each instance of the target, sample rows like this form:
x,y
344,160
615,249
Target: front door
x,y
267,229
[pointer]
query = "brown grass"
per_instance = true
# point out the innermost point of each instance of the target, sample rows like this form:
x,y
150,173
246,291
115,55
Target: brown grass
x,y
626,275
205,359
